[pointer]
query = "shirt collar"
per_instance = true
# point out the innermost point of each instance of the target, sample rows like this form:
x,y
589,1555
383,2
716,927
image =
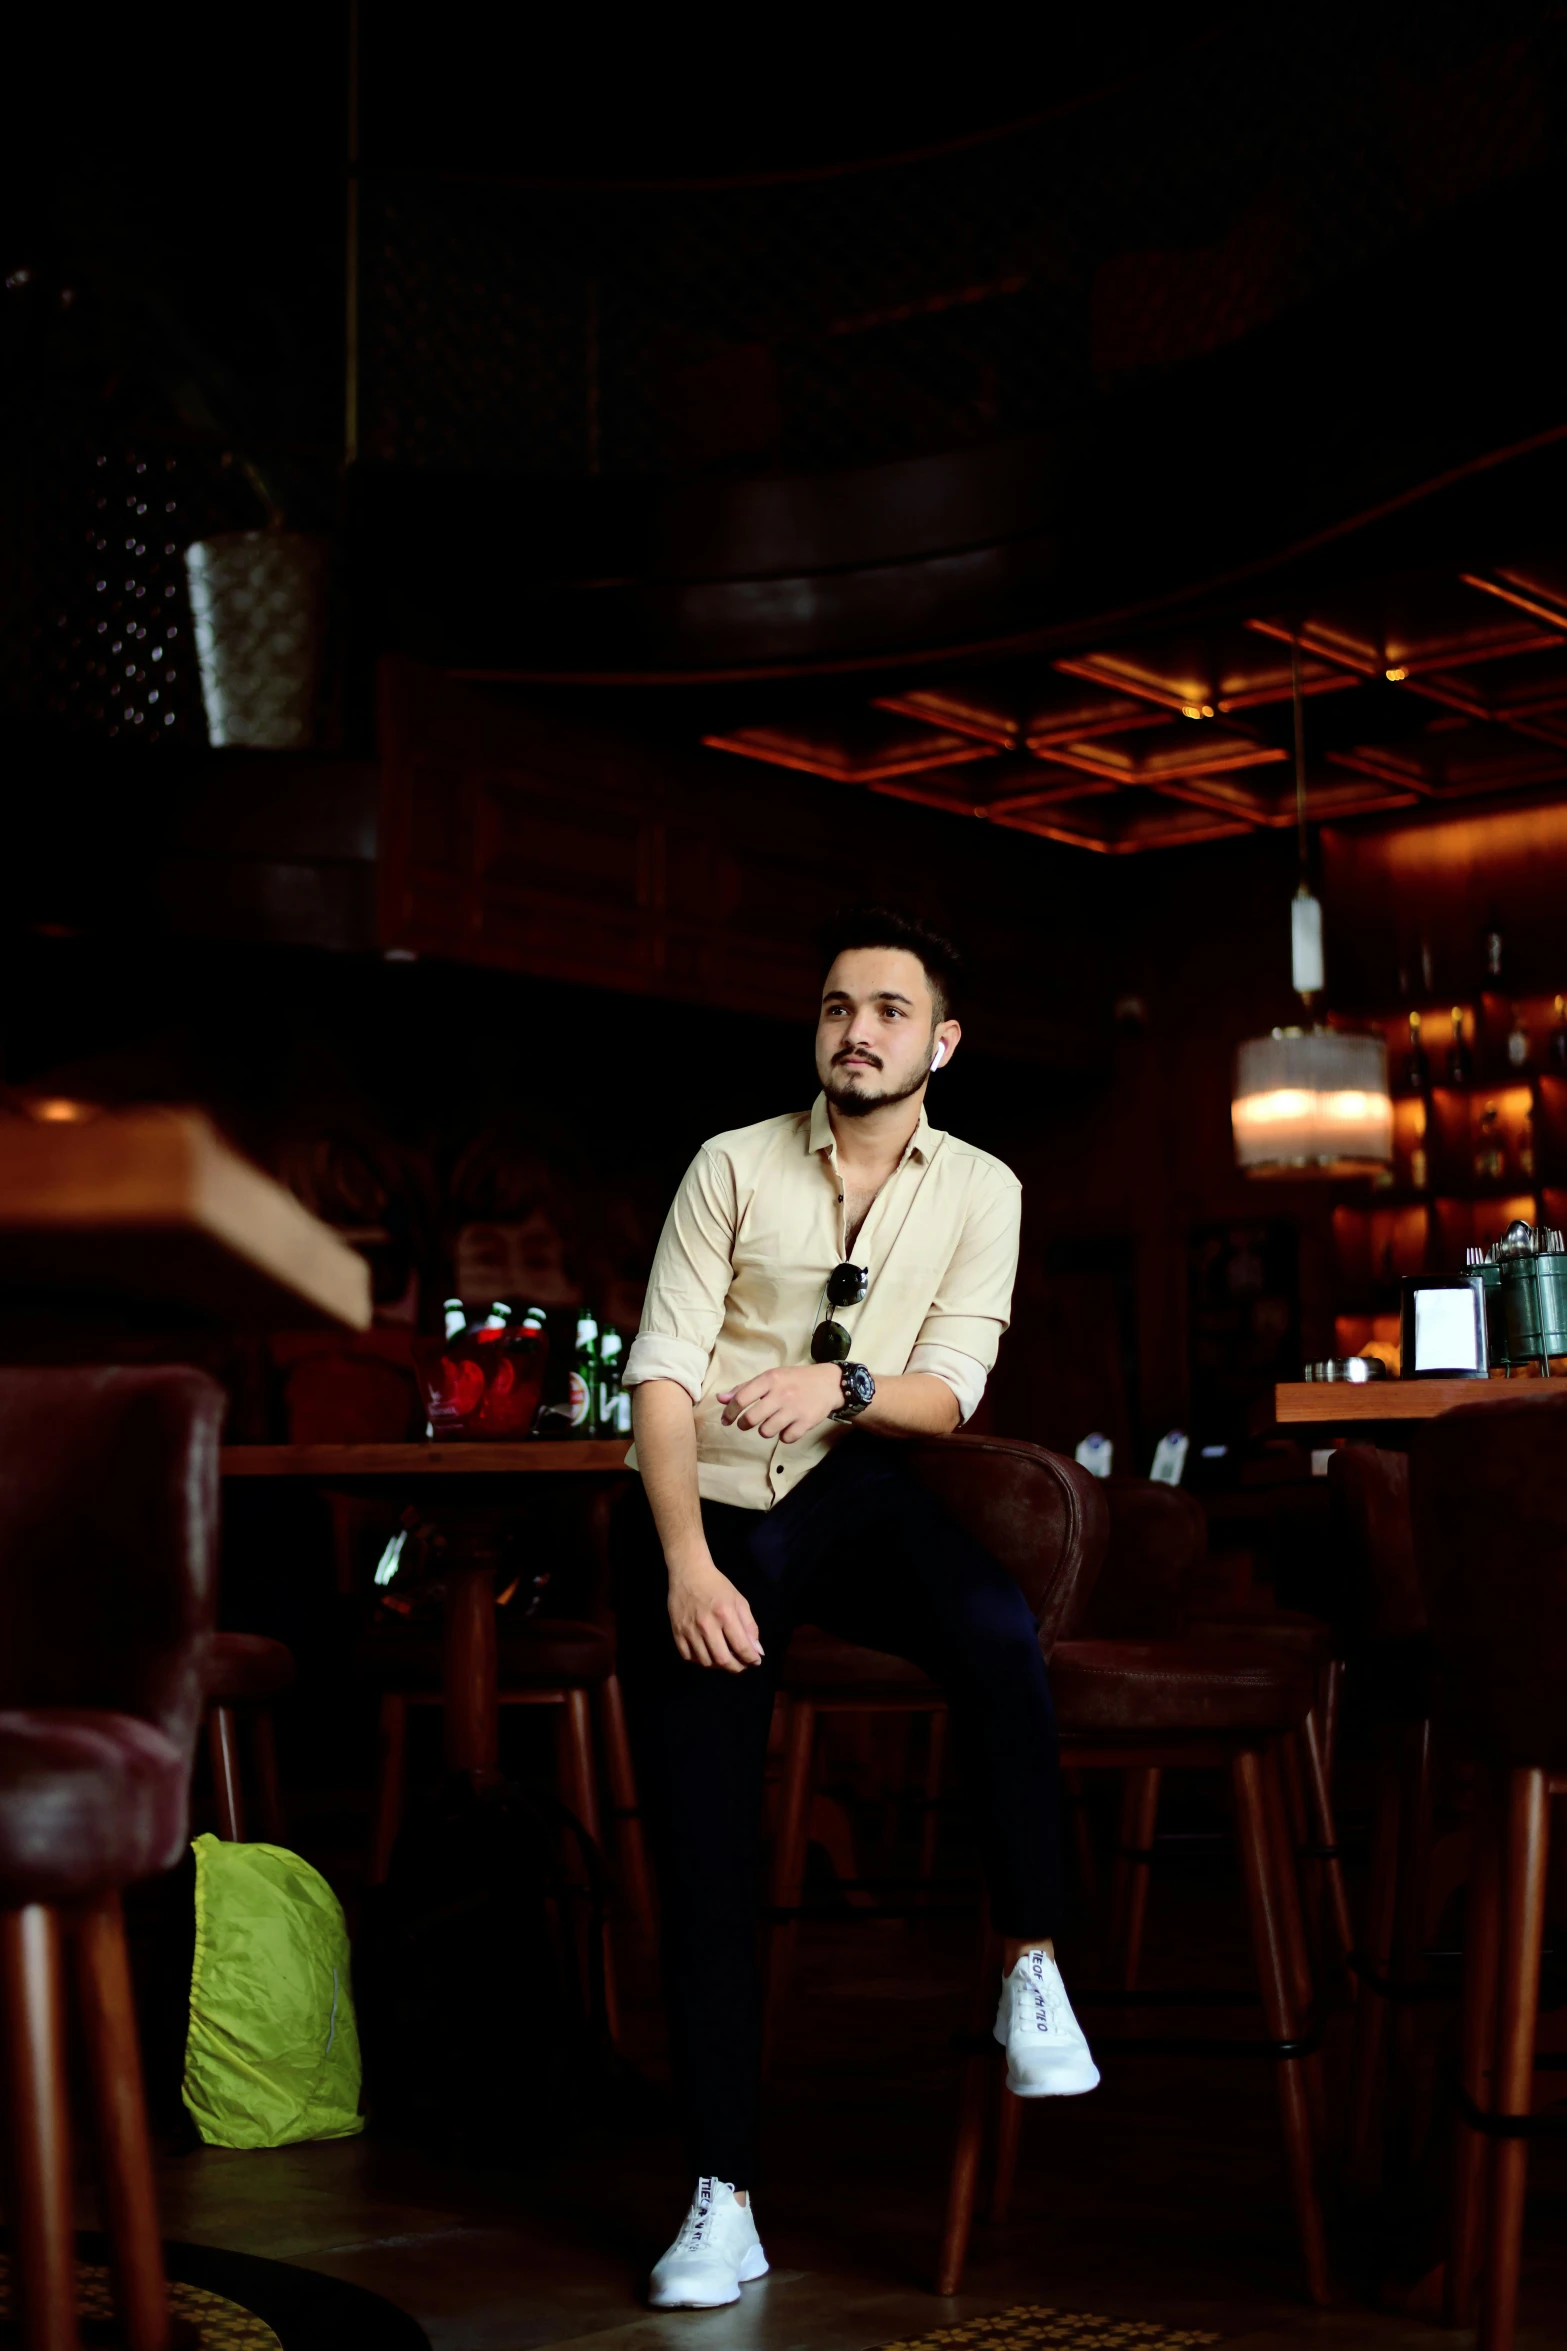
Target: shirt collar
x,y
921,1143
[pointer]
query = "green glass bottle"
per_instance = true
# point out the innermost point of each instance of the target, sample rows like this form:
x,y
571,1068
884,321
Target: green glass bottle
x,y
582,1397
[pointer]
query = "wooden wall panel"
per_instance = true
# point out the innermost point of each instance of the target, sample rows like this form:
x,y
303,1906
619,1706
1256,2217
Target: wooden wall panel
x,y
549,845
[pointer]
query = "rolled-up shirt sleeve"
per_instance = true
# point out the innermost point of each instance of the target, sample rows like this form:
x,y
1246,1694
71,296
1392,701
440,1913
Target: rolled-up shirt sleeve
x,y
692,1269
963,1375
962,1333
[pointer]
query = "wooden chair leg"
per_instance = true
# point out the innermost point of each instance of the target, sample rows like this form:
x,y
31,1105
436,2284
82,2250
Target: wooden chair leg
x,y
1329,1707
1291,1775
1270,1944
391,1779
930,1824
227,1787
579,1784
969,2143
630,1843
1083,1840
1133,1862
579,1792
1408,1959
1477,2051
1324,1828
1527,1844
1009,2130
1296,1950
42,2238
1368,2058
114,2066
269,1793
789,1851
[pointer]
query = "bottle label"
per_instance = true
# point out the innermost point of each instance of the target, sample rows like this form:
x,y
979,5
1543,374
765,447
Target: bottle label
x,y
577,1399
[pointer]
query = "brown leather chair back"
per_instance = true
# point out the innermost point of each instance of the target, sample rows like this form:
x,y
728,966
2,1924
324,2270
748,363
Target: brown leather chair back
x,y
108,1540
1489,1491
1041,1516
1158,1538
1369,1490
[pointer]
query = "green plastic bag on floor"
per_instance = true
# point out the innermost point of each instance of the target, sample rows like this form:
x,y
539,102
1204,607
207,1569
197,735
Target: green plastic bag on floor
x,y
272,2055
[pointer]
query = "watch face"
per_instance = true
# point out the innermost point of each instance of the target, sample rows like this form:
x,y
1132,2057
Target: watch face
x,y
859,1383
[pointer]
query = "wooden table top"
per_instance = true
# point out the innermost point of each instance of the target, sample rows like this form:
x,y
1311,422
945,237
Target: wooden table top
x,y
154,1206
533,1456
1384,1400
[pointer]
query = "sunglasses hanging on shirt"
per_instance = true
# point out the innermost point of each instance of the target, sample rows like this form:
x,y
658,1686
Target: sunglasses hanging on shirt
x,y
846,1285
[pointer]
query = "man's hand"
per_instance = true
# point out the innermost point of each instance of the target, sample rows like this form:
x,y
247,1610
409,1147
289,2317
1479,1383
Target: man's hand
x,y
787,1403
711,1619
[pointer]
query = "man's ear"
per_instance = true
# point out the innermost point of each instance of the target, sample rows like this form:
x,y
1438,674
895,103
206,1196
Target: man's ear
x,y
944,1042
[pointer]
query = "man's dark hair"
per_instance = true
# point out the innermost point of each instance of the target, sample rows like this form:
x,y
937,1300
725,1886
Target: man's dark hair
x,y
884,926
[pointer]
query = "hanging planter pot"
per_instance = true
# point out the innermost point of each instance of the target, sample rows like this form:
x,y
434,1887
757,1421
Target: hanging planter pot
x,y
258,603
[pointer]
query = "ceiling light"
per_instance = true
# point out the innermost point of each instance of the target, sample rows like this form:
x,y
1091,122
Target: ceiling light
x,y
56,1110
1395,677
1310,1101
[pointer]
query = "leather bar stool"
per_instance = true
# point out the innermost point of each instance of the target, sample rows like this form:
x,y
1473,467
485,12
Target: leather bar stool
x,y
1488,1490
1158,1542
1137,1706
1041,1517
245,1673
108,1519
1391,1674
1306,1761
1158,1537
546,1661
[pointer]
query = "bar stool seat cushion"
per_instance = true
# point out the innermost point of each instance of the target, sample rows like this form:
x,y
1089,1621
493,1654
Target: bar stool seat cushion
x,y
819,1660
548,1652
88,1801
1177,1688
1288,1629
248,1668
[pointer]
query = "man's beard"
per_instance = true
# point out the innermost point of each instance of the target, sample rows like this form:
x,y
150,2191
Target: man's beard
x,y
856,1105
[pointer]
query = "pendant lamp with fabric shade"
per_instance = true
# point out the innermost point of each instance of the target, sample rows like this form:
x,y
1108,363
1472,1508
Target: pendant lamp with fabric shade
x,y
1310,1101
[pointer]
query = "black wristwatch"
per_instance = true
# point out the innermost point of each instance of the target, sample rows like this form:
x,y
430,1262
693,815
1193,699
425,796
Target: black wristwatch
x,y
858,1389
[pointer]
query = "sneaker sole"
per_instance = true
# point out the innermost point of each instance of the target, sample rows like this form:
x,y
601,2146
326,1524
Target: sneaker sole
x,y
687,2302
748,2277
1063,2085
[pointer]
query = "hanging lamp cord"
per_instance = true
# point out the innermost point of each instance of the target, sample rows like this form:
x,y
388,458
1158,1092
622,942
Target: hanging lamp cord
x,y
1300,754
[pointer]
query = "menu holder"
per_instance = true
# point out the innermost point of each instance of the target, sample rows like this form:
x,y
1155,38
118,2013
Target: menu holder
x,y
1443,1328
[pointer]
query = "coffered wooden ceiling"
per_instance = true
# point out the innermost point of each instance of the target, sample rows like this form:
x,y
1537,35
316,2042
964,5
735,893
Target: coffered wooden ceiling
x,y
1437,688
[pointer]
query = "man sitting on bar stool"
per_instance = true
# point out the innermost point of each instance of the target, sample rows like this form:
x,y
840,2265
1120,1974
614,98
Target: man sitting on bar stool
x,y
760,1509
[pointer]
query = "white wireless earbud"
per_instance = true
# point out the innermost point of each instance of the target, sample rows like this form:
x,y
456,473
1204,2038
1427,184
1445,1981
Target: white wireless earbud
x,y
936,1057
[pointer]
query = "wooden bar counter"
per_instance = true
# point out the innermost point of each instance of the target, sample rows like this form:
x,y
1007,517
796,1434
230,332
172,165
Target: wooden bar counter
x,y
1338,1404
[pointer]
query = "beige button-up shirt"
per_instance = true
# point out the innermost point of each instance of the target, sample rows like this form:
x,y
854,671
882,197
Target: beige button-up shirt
x,y
737,1286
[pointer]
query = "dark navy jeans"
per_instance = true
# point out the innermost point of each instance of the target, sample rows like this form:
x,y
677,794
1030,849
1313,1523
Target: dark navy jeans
x,y
861,1550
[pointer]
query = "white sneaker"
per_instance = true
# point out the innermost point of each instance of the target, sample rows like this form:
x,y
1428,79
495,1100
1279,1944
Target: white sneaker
x,y
716,2253
1047,2051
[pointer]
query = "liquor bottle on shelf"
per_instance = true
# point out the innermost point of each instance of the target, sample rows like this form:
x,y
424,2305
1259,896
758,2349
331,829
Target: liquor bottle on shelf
x,y
583,1392
1460,1062
1493,950
1518,1042
606,1419
1419,1165
1526,1148
1417,1069
1490,1159
1558,1047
